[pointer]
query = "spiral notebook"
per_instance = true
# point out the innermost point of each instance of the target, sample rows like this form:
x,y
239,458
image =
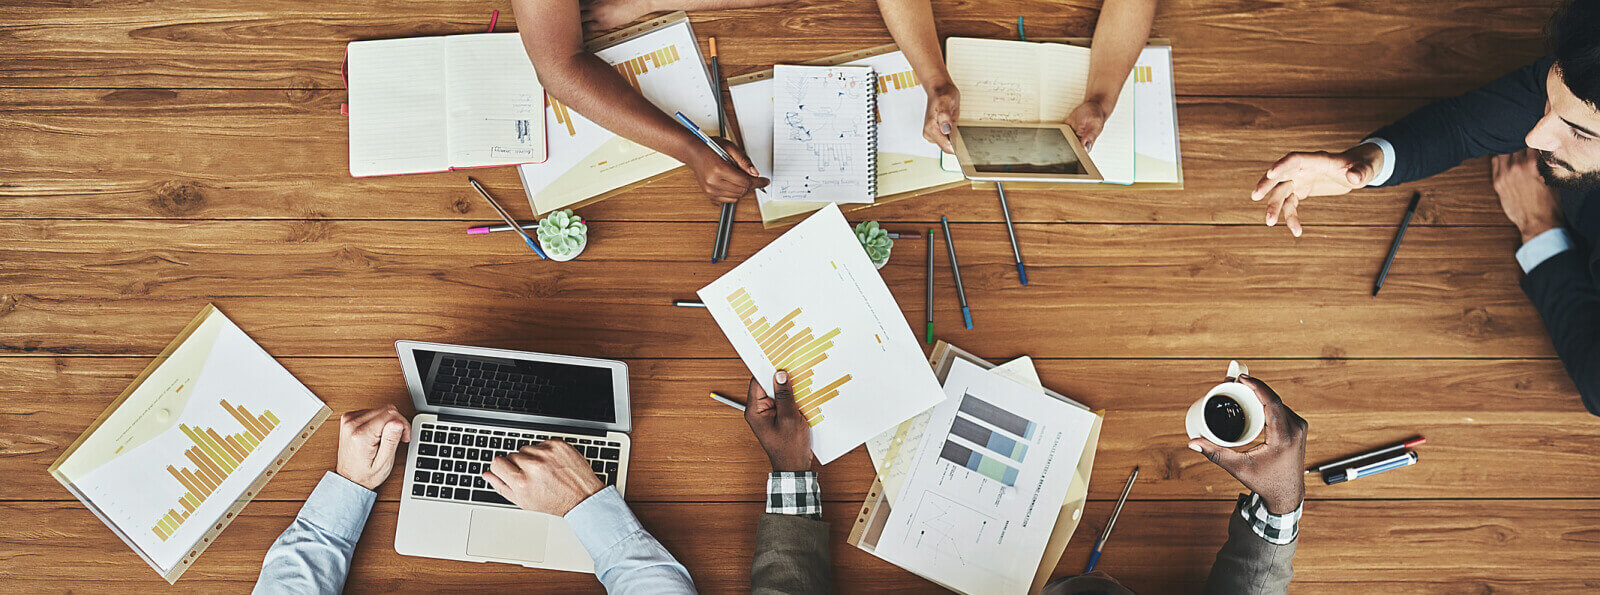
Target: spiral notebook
x,y
824,134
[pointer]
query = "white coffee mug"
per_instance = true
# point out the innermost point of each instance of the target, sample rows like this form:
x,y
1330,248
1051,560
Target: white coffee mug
x,y
1255,416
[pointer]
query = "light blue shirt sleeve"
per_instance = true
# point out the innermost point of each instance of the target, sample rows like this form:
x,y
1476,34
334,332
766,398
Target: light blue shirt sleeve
x,y
626,558
1542,247
313,554
1388,160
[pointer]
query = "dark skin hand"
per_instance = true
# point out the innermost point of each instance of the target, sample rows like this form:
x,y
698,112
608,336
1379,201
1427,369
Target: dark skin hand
x,y
552,32
778,425
1274,469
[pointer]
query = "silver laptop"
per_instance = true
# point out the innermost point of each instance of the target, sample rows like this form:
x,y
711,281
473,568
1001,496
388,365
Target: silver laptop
x,y
474,404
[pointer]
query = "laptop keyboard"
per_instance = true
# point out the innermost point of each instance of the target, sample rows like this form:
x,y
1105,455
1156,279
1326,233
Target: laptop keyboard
x,y
488,385
451,459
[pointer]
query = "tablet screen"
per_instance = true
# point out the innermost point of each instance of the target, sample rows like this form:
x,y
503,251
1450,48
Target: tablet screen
x,y
996,149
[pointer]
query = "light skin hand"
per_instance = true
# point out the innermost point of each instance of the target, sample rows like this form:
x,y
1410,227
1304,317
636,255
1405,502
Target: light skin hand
x,y
1274,469
367,442
722,181
1088,120
1302,175
778,425
944,108
605,15
1528,202
548,477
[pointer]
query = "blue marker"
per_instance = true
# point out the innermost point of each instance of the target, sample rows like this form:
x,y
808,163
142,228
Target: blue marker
x,y
1022,272
961,292
1404,459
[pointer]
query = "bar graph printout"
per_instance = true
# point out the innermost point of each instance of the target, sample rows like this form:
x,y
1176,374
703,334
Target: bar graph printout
x,y
990,475
189,441
812,303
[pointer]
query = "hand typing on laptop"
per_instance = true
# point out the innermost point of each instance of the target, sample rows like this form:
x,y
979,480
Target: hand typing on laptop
x,y
549,477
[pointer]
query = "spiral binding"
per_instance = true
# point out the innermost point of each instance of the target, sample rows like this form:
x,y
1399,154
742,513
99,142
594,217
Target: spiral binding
x,y
872,135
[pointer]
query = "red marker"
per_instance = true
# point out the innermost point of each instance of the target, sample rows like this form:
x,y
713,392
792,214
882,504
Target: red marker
x,y
1412,443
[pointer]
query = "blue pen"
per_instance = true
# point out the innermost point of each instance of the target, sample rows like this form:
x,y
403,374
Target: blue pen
x,y
725,221
1094,556
687,123
961,293
509,221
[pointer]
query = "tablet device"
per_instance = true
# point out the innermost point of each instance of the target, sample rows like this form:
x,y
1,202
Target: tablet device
x,y
1022,152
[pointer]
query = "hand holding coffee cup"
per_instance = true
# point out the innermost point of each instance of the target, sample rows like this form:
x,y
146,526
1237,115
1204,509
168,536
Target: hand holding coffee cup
x,y
1274,469
1230,414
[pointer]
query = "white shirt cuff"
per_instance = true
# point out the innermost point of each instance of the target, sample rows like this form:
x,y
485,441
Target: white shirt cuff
x,y
1388,160
1542,247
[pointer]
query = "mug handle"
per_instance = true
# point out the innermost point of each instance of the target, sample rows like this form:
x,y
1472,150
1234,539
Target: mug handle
x,y
1235,369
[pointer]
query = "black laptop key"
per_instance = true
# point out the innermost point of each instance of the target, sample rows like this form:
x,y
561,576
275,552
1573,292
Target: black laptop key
x,y
463,494
427,463
591,451
472,454
433,491
461,466
483,441
479,483
474,467
611,468
445,492
597,466
611,480
610,454
417,489
422,477
494,443
427,436
450,479
428,450
488,496
455,438
486,456
459,452
438,477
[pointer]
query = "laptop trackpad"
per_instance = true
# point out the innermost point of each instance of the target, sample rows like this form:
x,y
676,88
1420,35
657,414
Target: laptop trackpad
x,y
507,534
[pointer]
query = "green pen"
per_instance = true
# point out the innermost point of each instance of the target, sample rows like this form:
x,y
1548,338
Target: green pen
x,y
929,308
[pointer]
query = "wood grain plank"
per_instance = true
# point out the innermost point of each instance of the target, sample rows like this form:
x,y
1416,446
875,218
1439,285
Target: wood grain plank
x,y
1234,47
1494,427
351,288
1159,547
226,154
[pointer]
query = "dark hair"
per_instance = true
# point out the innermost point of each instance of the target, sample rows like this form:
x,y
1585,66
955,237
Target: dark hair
x,y
1574,36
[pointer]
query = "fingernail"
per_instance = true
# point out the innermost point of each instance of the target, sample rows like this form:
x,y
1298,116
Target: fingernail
x,y
782,376
1195,447
945,128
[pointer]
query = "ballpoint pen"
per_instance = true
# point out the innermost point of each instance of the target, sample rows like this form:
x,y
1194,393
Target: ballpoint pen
x,y
507,217
1394,248
1094,556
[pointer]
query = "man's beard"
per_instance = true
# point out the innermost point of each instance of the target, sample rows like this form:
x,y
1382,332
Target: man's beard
x,y
1575,182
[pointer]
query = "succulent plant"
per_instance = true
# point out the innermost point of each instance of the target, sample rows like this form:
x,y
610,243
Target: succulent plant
x,y
562,233
875,240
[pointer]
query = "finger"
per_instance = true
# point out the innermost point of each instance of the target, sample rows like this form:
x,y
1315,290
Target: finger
x,y
1291,215
780,386
1357,173
1278,414
739,158
498,484
1283,167
1224,458
503,467
761,183
1497,163
391,433
1275,200
758,403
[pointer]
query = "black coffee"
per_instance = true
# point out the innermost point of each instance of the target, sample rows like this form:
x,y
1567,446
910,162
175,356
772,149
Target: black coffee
x,y
1225,417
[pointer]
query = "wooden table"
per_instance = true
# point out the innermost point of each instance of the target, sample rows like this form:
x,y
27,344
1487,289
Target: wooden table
x,y
156,156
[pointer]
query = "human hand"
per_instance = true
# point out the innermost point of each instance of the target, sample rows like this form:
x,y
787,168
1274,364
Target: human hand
x,y
548,477
944,108
1274,469
1302,175
1528,202
722,181
1088,120
367,441
605,15
778,425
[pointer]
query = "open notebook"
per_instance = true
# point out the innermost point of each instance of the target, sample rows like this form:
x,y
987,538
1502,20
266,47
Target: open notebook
x,y
433,104
824,134
1021,81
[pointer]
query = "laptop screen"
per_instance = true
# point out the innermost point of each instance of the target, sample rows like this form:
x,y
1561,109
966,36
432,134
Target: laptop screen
x,y
568,391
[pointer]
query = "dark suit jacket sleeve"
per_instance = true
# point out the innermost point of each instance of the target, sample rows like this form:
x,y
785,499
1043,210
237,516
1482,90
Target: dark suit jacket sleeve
x,y
1489,120
1250,565
1562,288
791,556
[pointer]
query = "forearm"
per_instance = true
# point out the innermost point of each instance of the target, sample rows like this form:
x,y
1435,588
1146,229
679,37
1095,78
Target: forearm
x,y
1563,291
587,84
1249,564
661,5
627,559
1489,120
911,24
313,555
791,539
1119,35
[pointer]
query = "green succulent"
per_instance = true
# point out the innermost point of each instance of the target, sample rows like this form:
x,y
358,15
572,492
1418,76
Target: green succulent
x,y
875,240
562,233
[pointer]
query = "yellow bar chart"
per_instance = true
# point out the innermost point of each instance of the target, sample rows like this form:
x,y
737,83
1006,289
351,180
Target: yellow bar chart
x,y
798,351
212,458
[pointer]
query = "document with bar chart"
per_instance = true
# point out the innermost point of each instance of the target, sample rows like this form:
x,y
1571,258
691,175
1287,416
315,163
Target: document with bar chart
x,y
189,440
991,473
812,303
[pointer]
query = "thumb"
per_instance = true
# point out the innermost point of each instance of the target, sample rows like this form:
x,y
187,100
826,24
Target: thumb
x,y
784,394
1223,457
1357,173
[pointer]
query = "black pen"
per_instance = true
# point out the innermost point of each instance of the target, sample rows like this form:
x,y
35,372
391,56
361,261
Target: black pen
x,y
1394,248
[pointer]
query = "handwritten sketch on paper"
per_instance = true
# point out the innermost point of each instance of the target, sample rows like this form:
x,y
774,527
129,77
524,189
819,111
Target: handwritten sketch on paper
x,y
823,146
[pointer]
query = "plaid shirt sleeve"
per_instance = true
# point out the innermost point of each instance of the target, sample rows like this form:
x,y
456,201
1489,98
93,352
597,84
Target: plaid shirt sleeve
x,y
1278,529
794,492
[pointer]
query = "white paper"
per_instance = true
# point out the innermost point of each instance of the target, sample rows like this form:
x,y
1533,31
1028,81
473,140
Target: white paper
x,y
827,317
822,145
128,467
1156,135
587,160
495,101
397,107
981,525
